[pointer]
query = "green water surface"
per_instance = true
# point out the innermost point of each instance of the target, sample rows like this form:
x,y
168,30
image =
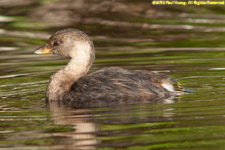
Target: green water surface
x,y
187,44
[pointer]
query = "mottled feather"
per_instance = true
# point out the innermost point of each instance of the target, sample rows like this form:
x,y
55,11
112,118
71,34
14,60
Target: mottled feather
x,y
117,86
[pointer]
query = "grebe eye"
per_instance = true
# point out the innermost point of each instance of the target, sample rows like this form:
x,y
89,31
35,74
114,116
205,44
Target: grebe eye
x,y
56,43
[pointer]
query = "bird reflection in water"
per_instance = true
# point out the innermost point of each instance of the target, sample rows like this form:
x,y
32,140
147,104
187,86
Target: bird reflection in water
x,y
84,132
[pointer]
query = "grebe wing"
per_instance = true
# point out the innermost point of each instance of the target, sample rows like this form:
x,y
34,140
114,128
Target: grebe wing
x,y
116,84
115,77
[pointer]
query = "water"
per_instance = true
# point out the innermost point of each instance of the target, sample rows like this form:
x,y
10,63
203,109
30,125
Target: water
x,y
184,43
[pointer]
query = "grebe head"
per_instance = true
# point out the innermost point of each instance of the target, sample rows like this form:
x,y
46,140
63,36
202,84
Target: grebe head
x,y
68,42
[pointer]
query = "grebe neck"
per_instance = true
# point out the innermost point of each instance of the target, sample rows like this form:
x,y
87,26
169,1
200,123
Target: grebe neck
x,y
60,83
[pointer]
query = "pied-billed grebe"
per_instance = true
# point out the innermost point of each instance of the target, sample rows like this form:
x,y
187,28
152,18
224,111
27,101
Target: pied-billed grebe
x,y
109,86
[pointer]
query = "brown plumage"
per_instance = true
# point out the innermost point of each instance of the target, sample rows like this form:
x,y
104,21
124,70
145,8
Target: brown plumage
x,y
109,86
